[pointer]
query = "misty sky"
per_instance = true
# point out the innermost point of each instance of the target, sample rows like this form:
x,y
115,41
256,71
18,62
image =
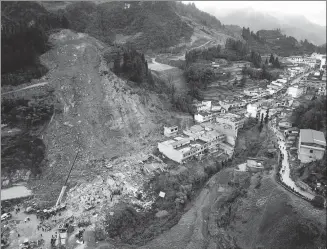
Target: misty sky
x,y
314,11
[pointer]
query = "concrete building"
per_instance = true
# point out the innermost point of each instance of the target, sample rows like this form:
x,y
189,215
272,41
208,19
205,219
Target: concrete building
x,y
201,117
228,104
312,145
170,131
276,83
202,106
253,91
323,62
285,124
199,142
229,124
295,91
322,91
252,110
254,165
215,108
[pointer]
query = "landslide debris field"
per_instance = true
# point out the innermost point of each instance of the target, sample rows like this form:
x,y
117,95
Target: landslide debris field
x,y
113,188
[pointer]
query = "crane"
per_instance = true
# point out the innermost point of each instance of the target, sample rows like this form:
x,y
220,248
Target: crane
x,y
65,185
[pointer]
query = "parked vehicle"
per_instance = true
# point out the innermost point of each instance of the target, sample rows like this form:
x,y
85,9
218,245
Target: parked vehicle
x,y
6,216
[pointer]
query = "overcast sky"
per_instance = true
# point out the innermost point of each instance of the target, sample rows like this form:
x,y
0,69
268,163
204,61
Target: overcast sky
x,y
315,11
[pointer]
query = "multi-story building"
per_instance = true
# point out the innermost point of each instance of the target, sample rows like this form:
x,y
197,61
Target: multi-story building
x,y
201,117
295,91
252,110
229,124
312,145
322,91
253,91
323,62
200,142
228,104
202,106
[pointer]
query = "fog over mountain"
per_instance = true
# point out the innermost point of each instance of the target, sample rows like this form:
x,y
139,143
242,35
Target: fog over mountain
x,y
294,25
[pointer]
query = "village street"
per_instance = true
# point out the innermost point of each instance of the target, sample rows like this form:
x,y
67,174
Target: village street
x,y
285,169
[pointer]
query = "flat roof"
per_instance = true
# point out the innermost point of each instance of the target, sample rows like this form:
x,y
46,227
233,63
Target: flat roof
x,y
312,136
230,116
208,135
187,147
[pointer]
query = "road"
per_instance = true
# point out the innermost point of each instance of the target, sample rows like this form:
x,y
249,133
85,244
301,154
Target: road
x,y
27,87
285,169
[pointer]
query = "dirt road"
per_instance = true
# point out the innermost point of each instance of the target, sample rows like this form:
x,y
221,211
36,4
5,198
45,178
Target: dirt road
x,y
27,87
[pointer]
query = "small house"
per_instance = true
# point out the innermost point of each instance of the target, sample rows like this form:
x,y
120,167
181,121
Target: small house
x,y
170,131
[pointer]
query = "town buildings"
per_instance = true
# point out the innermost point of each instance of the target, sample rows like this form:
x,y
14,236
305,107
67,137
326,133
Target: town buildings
x,y
312,145
202,106
229,124
199,141
207,137
285,124
295,91
252,110
201,117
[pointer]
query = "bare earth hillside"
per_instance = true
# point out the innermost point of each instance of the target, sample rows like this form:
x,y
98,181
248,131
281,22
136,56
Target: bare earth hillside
x,y
100,114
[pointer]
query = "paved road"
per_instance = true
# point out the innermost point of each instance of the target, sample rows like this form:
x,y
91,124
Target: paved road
x,y
285,170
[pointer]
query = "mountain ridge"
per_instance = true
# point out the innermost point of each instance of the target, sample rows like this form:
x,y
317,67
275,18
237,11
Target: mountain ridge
x,y
297,26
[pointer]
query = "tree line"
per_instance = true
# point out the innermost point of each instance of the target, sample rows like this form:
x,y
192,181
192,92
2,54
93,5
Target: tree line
x,y
24,38
247,35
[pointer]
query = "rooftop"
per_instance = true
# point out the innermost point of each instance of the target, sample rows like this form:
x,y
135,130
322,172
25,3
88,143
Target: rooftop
x,y
209,135
230,116
203,113
312,136
189,146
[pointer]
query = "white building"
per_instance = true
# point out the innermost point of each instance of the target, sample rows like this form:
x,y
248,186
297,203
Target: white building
x,y
295,91
323,62
229,124
201,117
200,142
283,81
276,83
252,110
202,106
170,131
312,145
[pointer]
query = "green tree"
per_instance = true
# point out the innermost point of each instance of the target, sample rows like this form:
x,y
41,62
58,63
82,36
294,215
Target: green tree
x,y
267,116
318,201
272,59
276,63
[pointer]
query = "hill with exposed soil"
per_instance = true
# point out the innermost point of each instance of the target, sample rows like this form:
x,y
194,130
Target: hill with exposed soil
x,y
97,113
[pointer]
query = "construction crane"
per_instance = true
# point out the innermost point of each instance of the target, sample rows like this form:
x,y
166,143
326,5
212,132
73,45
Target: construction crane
x,y
65,185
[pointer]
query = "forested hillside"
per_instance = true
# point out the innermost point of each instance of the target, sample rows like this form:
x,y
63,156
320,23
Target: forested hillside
x,y
155,24
313,116
273,41
24,36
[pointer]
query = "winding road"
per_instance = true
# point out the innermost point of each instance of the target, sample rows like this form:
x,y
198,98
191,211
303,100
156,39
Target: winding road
x,y
285,169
